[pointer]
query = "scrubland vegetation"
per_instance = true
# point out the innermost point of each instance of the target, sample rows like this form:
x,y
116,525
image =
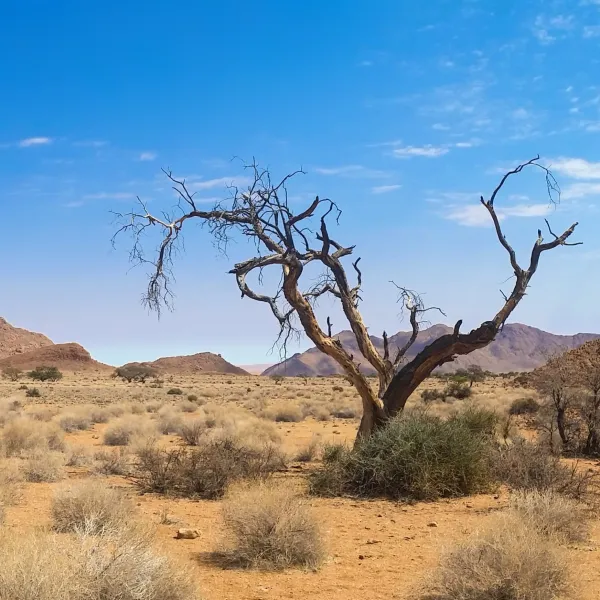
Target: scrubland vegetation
x,y
115,468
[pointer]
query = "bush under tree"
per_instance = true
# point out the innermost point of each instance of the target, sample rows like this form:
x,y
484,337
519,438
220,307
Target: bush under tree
x,y
45,374
137,373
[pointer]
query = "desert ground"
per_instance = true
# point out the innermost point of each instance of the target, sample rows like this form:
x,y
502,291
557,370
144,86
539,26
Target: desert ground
x,y
374,548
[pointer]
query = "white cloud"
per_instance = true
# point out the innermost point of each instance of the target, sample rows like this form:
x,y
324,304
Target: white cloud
x,y
350,171
91,143
365,63
35,141
221,182
576,168
476,215
468,143
109,196
145,156
590,31
428,151
521,113
548,29
580,190
440,127
383,189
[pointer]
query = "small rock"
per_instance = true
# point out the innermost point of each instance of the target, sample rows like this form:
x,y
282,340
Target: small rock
x,y
469,505
432,524
361,557
187,534
370,542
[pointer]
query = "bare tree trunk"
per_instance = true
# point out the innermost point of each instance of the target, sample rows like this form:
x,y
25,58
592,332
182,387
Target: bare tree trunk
x,y
560,424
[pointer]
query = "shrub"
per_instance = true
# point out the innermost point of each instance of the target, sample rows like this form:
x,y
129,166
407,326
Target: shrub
x,y
12,373
24,435
192,398
75,422
44,467
32,393
507,561
11,479
187,406
89,506
174,392
345,412
458,390
309,453
433,395
205,471
553,516
193,431
122,432
78,456
112,462
45,374
137,373
524,406
415,457
168,421
23,386
271,528
118,565
284,412
528,466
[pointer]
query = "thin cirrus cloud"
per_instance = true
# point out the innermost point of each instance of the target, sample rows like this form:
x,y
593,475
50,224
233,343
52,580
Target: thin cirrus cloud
x,y
427,151
109,196
35,141
219,182
476,215
384,189
147,156
350,171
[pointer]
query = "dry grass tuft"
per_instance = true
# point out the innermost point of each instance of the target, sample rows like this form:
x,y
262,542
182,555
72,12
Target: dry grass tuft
x,y
553,516
271,527
90,506
43,466
25,435
508,561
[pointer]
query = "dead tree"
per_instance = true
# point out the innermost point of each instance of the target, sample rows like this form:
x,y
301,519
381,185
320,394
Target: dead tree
x,y
289,241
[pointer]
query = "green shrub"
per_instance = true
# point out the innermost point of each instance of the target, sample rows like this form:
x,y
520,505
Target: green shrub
x,y
205,471
415,457
458,390
33,393
175,392
134,372
524,406
45,374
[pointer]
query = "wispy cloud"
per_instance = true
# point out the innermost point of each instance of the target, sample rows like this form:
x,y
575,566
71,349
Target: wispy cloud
x,y
90,143
219,182
35,141
351,171
440,127
591,31
548,29
427,151
384,189
476,215
74,204
109,196
147,156
365,63
576,168
580,190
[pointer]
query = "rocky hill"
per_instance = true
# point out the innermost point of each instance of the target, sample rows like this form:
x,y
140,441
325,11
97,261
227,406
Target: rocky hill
x,y
66,357
517,348
14,340
195,364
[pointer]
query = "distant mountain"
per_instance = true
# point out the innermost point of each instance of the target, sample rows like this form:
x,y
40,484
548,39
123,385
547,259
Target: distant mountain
x,y
195,364
255,369
516,348
14,340
66,357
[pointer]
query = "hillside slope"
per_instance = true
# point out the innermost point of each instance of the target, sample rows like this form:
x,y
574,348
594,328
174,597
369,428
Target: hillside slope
x,y
14,340
194,364
66,357
517,348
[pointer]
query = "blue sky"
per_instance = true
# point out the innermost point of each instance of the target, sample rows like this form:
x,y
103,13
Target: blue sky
x,y
403,115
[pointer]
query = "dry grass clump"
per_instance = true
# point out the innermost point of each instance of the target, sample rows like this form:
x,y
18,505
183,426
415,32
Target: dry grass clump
x,y
90,506
309,452
529,466
186,406
205,471
271,527
43,466
168,420
112,462
124,431
283,412
11,479
193,431
78,456
118,565
507,561
553,516
24,435
75,421
42,413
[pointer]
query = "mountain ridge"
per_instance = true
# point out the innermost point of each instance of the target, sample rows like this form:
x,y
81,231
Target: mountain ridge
x,y
517,347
